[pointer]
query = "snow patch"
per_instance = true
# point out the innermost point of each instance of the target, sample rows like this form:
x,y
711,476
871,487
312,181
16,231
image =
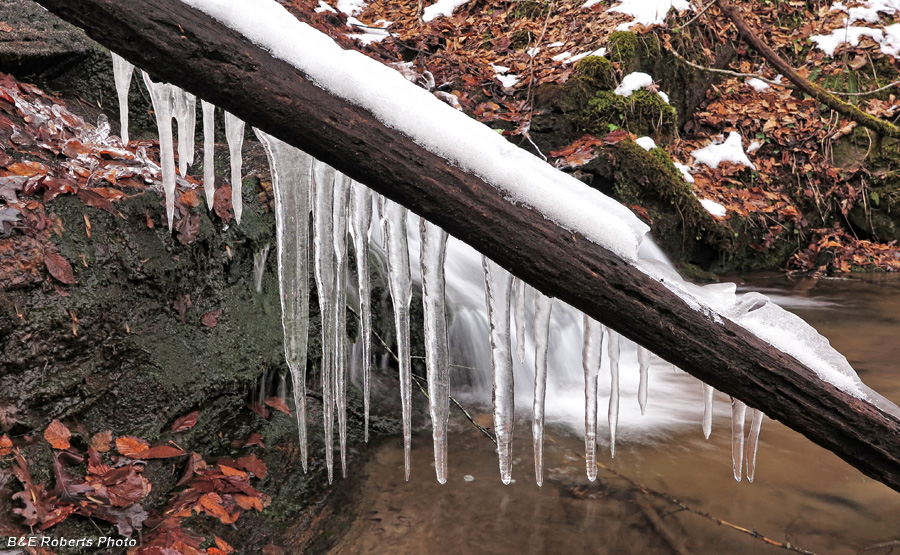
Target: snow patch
x,y
350,7
370,33
324,7
645,142
441,8
599,52
633,82
851,35
562,56
685,171
645,12
713,207
731,150
758,84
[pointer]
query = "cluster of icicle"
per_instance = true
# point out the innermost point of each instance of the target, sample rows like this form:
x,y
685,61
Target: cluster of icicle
x,y
340,207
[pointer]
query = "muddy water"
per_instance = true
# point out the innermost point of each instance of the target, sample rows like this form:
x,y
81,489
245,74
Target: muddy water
x,y
802,495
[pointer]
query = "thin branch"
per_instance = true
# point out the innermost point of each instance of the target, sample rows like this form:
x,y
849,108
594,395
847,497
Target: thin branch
x,y
866,93
696,17
728,71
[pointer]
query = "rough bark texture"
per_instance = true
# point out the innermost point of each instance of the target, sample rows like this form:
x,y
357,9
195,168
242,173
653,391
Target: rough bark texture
x,y
183,46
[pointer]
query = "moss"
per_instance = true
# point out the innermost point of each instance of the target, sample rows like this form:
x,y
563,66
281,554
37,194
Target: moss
x,y
596,71
632,52
530,10
642,113
521,39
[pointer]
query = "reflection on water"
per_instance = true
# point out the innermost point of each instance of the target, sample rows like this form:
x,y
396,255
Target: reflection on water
x,y
803,494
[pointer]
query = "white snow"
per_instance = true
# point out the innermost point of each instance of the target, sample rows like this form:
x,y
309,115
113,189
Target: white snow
x,y
499,69
758,84
561,56
324,7
850,35
644,12
555,44
713,207
633,82
753,146
664,96
731,150
441,8
349,7
532,52
645,142
508,80
369,33
599,52
685,171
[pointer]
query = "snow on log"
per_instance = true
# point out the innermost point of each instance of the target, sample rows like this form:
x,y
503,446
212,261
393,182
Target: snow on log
x,y
498,199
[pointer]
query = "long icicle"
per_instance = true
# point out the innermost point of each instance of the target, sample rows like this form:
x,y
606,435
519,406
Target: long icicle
x,y
437,349
122,72
498,292
756,419
340,210
520,319
590,360
401,294
234,134
163,101
707,409
324,270
543,306
613,390
738,413
291,175
209,146
185,114
361,208
643,356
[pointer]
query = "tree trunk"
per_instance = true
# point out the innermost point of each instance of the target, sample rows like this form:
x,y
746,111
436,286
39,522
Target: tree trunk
x,y
183,46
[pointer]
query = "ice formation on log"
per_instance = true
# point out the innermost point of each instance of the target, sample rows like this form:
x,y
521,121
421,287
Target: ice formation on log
x,y
209,153
340,215
361,224
185,114
162,96
291,176
234,134
591,355
498,291
437,349
520,319
738,413
122,72
644,368
543,308
401,294
613,390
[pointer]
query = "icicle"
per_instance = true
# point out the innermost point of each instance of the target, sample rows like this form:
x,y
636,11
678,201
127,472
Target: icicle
x,y
163,101
520,319
707,410
361,208
185,114
259,267
590,360
437,350
756,418
738,412
401,293
323,219
234,133
613,390
543,307
644,363
291,183
122,72
498,290
209,153
340,214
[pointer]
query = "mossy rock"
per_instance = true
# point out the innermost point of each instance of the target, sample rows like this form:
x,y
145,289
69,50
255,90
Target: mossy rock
x,y
632,52
596,71
643,113
521,39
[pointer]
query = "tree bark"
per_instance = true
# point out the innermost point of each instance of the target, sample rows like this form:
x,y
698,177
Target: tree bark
x,y
183,46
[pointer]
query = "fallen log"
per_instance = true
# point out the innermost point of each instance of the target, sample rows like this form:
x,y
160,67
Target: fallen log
x,y
181,45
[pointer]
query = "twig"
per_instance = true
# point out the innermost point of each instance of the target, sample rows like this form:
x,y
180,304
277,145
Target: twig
x,y
728,71
866,93
693,19
419,381
674,543
674,501
529,97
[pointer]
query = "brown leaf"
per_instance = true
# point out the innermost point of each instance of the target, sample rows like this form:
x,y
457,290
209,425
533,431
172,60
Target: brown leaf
x,y
91,198
101,441
223,545
131,489
615,136
211,318
251,463
189,198
59,267
278,404
57,435
158,452
222,203
186,422
254,439
228,471
130,445
6,445
28,168
188,227
212,504
247,502
259,409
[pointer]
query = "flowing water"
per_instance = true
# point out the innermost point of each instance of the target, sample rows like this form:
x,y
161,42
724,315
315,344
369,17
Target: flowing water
x,y
802,495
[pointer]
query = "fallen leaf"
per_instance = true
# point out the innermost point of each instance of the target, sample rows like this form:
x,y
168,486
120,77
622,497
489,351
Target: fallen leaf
x,y
188,227
91,198
57,435
186,422
59,268
251,463
223,545
130,445
101,441
254,439
259,409
189,198
228,471
211,318
158,452
222,203
278,404
6,445
28,168
247,502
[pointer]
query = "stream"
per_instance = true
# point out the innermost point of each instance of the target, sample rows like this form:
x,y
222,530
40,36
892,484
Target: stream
x,y
803,495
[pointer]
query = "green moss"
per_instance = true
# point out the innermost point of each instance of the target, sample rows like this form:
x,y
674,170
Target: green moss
x,y
632,52
642,113
596,71
521,39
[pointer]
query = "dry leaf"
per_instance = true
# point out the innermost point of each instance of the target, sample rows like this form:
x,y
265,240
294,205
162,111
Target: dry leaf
x,y
57,435
130,445
59,268
101,441
6,445
211,318
278,404
185,422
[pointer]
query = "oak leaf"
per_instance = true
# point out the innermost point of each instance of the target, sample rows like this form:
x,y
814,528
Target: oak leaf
x,y
57,435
